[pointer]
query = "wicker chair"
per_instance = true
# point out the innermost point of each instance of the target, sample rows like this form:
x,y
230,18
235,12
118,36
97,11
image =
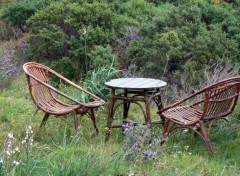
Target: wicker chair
x,y
214,102
46,97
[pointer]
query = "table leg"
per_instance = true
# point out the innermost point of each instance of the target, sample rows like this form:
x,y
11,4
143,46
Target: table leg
x,y
159,103
126,106
110,115
147,104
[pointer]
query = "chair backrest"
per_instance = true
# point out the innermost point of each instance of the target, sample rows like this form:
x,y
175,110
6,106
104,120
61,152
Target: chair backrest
x,y
221,98
39,92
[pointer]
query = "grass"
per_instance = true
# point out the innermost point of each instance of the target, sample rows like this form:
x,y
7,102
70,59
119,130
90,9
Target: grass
x,y
57,151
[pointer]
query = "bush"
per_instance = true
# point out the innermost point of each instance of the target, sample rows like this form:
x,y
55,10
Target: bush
x,y
102,57
187,37
17,13
71,30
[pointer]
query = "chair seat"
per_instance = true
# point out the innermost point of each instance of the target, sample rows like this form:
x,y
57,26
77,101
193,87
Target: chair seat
x,y
57,108
183,115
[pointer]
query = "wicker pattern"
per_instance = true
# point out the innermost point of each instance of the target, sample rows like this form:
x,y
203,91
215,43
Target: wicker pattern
x,y
217,102
45,96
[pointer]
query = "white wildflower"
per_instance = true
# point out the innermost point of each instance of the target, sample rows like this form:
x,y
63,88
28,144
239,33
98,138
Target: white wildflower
x,y
84,31
185,131
16,163
196,126
8,153
10,135
16,149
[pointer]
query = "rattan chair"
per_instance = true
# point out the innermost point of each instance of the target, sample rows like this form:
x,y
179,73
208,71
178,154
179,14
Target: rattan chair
x,y
46,97
213,103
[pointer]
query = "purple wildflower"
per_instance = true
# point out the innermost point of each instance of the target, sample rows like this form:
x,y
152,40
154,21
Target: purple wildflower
x,y
145,152
150,153
154,155
10,69
5,60
136,147
135,137
126,127
125,72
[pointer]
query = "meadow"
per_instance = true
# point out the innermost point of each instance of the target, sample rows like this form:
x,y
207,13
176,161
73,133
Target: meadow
x,y
188,44
57,150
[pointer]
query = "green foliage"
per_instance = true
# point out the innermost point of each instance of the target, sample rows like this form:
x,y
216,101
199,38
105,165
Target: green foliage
x,y
71,30
57,151
17,13
96,82
65,67
83,162
102,57
186,36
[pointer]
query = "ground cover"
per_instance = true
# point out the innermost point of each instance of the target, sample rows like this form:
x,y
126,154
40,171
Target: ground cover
x,y
56,150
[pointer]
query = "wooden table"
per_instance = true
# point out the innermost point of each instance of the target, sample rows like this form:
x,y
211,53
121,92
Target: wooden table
x,y
134,90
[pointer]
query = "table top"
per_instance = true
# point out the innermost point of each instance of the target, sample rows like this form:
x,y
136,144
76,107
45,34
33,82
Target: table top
x,y
135,83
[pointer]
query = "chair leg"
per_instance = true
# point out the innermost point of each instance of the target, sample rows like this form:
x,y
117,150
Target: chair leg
x,y
165,132
76,123
110,115
92,116
206,139
36,112
45,118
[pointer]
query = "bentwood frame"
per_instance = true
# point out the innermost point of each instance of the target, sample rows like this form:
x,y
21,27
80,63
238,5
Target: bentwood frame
x,y
216,102
45,95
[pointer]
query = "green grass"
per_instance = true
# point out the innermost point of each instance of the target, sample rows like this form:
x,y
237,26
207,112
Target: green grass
x,y
57,151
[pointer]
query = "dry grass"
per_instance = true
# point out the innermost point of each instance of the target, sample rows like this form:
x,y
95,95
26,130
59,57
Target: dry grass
x,y
8,32
212,74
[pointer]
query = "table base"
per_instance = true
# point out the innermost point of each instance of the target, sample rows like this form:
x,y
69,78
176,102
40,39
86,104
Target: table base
x,y
128,97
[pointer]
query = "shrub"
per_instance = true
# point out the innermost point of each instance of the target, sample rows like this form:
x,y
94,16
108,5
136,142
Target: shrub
x,y
184,38
71,30
18,12
102,57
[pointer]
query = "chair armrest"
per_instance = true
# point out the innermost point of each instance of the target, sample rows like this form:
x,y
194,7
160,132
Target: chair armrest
x,y
181,101
75,85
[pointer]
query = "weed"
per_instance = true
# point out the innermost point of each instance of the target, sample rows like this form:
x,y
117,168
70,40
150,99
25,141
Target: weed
x,y
141,144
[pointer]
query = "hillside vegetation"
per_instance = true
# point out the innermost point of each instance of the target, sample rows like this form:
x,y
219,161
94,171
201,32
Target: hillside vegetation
x,y
187,43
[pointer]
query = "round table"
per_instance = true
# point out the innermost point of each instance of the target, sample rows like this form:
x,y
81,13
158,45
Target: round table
x,y
134,90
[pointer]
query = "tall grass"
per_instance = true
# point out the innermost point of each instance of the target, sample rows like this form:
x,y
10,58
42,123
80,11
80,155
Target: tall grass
x,y
57,151
7,32
96,82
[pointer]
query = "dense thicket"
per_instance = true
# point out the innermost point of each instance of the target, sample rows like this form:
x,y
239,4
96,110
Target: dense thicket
x,y
158,37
